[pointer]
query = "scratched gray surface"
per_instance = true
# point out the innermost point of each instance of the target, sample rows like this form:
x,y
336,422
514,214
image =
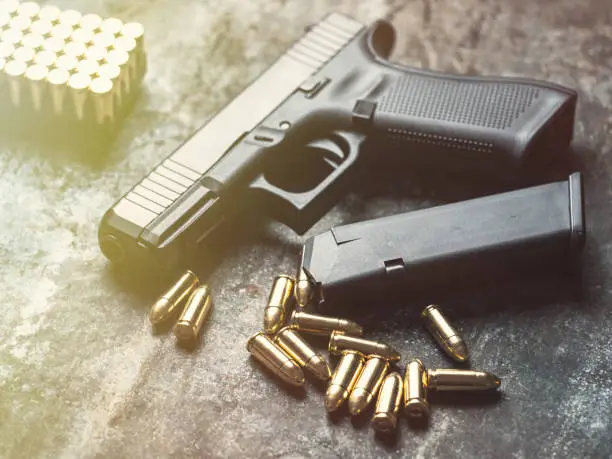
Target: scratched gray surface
x,y
81,375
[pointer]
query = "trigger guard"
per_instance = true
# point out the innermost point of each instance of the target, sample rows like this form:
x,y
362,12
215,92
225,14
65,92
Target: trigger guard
x,y
380,39
301,210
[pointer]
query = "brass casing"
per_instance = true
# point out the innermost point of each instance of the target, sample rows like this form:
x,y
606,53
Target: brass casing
x,y
390,398
324,325
415,390
369,382
444,333
170,302
304,288
339,342
294,345
278,303
343,379
461,380
263,349
197,310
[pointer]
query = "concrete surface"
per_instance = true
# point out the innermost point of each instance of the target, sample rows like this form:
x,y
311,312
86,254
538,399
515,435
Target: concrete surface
x,y
81,374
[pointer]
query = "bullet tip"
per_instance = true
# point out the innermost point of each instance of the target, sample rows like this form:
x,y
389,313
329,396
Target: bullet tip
x,y
273,319
334,397
319,368
495,381
459,351
354,329
159,311
292,374
358,401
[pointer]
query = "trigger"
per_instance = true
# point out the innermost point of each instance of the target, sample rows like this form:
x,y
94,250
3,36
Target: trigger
x,y
334,156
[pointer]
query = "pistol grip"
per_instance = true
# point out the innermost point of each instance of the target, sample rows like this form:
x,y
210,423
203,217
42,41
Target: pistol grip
x,y
497,126
300,210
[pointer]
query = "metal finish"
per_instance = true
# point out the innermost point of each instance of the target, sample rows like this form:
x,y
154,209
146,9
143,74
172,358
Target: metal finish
x,y
416,405
169,303
263,349
324,325
389,401
339,342
343,379
278,302
443,332
294,345
368,384
195,314
461,380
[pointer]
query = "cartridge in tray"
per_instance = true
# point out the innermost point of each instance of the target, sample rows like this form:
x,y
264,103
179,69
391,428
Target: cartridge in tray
x,y
65,77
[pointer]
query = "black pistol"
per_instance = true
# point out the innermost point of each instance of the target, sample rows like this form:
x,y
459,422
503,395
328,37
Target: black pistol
x,y
287,144
479,239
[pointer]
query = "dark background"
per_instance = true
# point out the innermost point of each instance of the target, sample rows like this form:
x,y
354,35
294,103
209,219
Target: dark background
x,y
81,374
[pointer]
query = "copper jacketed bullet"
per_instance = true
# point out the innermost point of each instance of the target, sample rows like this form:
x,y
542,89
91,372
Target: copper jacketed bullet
x,y
294,345
134,30
461,380
195,314
263,349
70,18
11,36
390,399
33,41
112,26
45,58
49,13
15,70
79,90
339,342
28,9
170,302
36,78
444,333
58,84
113,73
102,95
304,288
76,50
367,385
41,27
91,22
10,6
343,379
323,325
416,405
278,302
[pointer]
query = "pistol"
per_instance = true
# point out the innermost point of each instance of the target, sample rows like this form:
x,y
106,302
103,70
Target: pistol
x,y
475,240
287,145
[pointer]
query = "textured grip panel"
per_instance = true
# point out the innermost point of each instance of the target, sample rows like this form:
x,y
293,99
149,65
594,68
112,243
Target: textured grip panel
x,y
492,105
490,127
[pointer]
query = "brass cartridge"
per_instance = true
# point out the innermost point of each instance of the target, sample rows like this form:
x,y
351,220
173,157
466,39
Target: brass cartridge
x,y
367,385
339,342
461,380
169,303
198,309
324,325
263,349
278,303
343,379
444,333
390,399
416,405
294,345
